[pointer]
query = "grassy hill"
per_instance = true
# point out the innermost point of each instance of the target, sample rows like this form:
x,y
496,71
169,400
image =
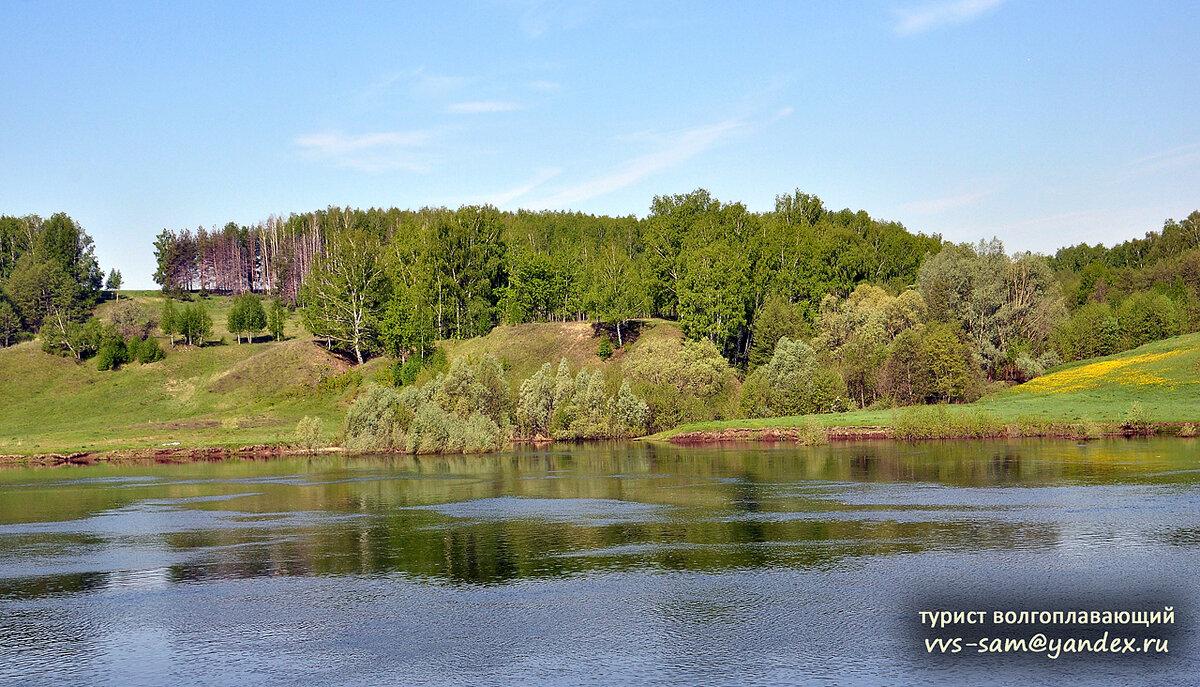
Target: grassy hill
x,y
1163,377
222,394
229,394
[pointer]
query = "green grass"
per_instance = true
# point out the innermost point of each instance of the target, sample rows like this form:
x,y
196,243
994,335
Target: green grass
x,y
217,395
229,394
1163,376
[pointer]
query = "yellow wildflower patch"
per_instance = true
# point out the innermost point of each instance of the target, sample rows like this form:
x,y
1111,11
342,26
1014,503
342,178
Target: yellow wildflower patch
x,y
1125,371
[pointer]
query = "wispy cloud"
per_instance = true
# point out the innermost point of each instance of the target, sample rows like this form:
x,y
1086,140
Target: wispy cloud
x,y
537,17
936,206
545,86
671,150
480,106
505,197
1172,158
922,18
420,83
374,152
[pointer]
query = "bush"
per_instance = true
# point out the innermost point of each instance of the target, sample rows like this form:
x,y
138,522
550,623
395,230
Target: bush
x,y
1086,429
130,319
682,381
112,354
812,432
372,421
1137,421
794,382
308,433
133,349
1090,332
434,430
149,351
606,350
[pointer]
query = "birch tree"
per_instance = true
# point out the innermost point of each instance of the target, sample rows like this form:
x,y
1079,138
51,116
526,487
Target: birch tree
x,y
341,295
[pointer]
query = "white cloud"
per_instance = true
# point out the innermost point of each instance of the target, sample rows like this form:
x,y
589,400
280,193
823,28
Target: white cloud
x,y
672,149
545,86
372,152
505,197
479,106
914,20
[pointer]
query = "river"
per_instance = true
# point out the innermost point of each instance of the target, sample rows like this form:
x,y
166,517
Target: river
x,y
602,564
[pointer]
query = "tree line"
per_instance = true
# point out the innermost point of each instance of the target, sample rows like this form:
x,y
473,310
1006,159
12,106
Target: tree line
x,y
393,281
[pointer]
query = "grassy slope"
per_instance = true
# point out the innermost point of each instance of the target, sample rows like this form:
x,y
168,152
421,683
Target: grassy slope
x,y
234,394
525,348
1164,376
218,395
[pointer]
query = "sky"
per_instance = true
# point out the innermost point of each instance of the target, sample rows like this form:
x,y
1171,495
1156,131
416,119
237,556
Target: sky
x,y
1044,124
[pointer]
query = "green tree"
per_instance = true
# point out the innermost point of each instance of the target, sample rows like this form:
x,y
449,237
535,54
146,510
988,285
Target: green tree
x,y
277,319
113,283
168,320
195,324
42,291
1146,317
776,319
246,315
10,324
406,328
794,382
343,291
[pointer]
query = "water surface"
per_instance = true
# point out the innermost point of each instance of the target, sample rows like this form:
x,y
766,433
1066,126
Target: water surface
x,y
602,564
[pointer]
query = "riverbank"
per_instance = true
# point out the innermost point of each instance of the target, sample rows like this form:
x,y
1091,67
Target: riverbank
x,y
803,435
1151,389
176,454
228,400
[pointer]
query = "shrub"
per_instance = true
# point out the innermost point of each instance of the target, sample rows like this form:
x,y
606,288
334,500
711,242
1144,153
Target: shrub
x,y
149,351
335,383
535,403
371,423
112,354
1086,429
434,430
308,432
481,435
130,319
1187,429
630,413
812,432
1137,420
793,382
133,348
682,381
606,350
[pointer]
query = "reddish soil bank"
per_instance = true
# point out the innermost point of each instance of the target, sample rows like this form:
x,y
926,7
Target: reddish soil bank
x,y
865,433
714,436
178,454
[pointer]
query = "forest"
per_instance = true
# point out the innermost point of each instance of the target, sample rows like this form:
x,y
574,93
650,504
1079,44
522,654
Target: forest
x,y
796,310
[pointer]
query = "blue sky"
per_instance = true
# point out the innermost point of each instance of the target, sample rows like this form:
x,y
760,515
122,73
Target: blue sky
x,y
1044,124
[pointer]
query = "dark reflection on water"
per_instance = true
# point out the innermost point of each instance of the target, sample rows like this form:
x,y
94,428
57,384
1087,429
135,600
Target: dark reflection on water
x,y
620,563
